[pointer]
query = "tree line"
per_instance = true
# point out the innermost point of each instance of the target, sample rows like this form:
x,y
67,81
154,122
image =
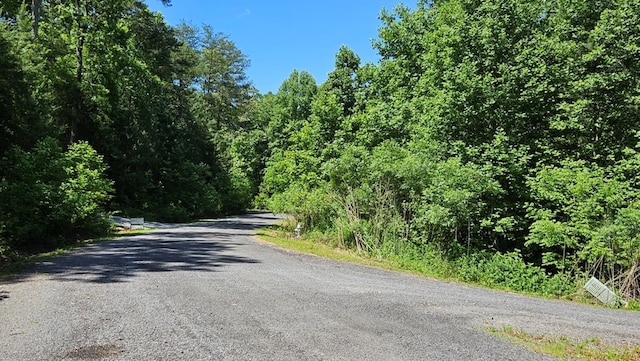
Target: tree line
x,y
497,140
108,108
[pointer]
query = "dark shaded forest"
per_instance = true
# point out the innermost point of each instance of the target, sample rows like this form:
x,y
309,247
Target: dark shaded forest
x,y
498,138
110,109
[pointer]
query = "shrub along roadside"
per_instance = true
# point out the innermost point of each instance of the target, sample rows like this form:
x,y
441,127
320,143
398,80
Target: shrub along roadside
x,y
50,197
507,271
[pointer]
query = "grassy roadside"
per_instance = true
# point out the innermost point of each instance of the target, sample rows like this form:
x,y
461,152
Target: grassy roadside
x,y
319,249
324,248
17,262
559,347
430,266
564,348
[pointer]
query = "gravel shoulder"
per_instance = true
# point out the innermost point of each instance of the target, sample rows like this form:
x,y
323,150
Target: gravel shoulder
x,y
211,291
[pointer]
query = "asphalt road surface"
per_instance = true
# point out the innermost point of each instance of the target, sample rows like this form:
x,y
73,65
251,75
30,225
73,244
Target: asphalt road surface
x,y
211,291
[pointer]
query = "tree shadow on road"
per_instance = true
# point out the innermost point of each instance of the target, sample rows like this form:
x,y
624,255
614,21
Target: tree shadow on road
x,y
257,221
204,247
249,222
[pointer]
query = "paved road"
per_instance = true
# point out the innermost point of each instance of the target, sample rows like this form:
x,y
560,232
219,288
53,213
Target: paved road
x,y
211,291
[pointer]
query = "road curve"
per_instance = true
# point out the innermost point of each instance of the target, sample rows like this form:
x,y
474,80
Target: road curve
x,y
211,291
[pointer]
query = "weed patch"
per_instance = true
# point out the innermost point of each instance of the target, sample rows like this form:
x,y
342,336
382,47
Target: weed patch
x,y
564,348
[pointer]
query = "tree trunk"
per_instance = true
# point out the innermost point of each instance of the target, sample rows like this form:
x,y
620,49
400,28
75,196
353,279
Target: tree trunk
x,y
77,98
77,105
35,10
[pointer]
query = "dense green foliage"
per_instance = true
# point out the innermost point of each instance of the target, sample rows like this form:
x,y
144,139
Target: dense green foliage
x,y
109,109
46,192
500,135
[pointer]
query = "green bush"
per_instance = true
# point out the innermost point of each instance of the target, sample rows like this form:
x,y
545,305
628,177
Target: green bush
x,y
510,271
312,208
47,195
426,259
586,219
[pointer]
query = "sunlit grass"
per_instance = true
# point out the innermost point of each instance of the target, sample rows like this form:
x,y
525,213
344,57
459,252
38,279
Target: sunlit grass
x,y
128,232
564,348
326,248
429,264
318,249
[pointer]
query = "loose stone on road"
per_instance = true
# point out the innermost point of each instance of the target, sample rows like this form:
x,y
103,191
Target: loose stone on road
x,y
211,291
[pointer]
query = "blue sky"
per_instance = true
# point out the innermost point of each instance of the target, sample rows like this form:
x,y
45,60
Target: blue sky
x,y
279,36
